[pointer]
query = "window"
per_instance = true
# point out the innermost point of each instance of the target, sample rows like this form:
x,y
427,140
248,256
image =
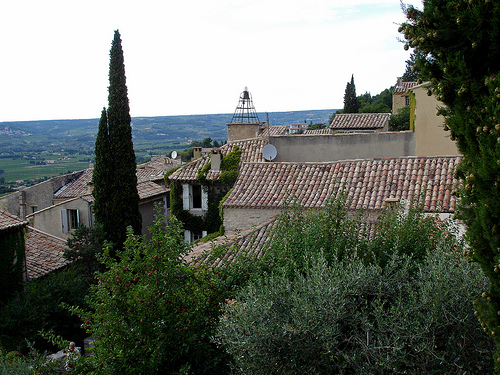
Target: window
x,y
407,100
196,196
70,219
73,219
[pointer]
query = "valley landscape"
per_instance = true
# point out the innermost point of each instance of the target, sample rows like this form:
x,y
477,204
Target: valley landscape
x,y
32,151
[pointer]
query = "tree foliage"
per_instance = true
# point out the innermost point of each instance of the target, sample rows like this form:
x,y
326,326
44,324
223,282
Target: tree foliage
x,y
330,300
38,306
115,183
83,246
401,120
410,74
151,313
459,53
351,104
12,255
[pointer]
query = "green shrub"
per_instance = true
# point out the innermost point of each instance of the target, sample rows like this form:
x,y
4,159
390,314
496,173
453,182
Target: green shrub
x,y
39,306
356,318
329,297
150,312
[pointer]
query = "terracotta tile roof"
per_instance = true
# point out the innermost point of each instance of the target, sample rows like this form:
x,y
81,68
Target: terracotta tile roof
x,y
75,188
368,121
44,253
370,183
317,131
402,87
273,130
251,151
8,221
78,186
160,162
250,242
148,189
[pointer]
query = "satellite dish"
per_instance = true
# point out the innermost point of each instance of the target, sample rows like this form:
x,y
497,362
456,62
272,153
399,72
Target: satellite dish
x,y
174,154
269,152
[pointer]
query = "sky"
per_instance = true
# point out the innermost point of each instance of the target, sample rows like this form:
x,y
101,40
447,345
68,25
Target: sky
x,y
194,56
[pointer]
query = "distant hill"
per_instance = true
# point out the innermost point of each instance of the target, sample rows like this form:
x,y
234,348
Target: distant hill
x,y
182,128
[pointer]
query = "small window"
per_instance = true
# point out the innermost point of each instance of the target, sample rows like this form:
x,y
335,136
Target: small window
x,y
407,100
70,219
196,236
196,196
33,209
73,219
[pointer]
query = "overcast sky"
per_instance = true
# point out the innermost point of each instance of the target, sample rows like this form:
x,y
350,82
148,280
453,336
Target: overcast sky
x,y
194,56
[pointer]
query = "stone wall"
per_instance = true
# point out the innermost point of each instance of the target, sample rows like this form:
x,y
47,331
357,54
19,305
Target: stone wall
x,y
243,218
346,146
36,197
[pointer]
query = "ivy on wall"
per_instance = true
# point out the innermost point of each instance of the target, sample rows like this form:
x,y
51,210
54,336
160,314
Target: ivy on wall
x,y
12,254
413,104
216,189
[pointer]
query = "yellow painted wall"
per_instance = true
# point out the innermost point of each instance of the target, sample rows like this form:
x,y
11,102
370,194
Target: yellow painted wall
x,y
431,139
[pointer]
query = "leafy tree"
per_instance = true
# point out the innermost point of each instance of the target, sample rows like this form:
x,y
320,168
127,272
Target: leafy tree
x,y
410,73
12,255
152,313
401,120
459,53
315,126
332,301
38,306
351,104
380,103
115,183
83,247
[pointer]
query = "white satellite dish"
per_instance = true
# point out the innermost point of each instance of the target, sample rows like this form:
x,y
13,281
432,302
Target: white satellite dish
x,y
174,154
269,152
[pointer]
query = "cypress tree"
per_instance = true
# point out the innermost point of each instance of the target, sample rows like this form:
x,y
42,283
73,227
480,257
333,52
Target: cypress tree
x,y
115,182
351,104
458,45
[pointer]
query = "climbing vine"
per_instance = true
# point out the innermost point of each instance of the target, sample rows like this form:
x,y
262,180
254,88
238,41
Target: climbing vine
x,y
216,189
11,262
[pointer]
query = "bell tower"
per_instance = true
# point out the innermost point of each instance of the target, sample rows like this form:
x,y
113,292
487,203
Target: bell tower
x,y
245,123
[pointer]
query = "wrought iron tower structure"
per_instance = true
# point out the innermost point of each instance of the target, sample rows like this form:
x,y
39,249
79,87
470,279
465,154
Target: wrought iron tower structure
x,y
245,111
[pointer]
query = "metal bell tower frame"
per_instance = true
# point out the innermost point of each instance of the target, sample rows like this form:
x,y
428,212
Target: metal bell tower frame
x,y
245,111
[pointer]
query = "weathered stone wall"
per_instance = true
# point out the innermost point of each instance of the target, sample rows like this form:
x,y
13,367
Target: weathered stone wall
x,y
49,221
239,131
39,196
243,218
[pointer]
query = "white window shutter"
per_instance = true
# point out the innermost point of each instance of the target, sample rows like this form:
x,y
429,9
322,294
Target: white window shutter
x,y
204,198
64,221
185,196
187,236
77,218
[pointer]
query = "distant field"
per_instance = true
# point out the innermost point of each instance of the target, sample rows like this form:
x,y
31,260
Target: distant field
x,y
67,142
21,169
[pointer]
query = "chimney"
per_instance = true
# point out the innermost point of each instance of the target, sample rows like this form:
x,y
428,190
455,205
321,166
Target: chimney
x,y
90,187
215,160
197,152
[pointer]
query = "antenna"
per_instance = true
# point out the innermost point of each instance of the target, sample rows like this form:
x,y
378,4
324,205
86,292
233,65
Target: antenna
x,y
269,152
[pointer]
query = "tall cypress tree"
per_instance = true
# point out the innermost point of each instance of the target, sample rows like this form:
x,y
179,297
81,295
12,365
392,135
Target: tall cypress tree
x,y
458,45
351,104
115,182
